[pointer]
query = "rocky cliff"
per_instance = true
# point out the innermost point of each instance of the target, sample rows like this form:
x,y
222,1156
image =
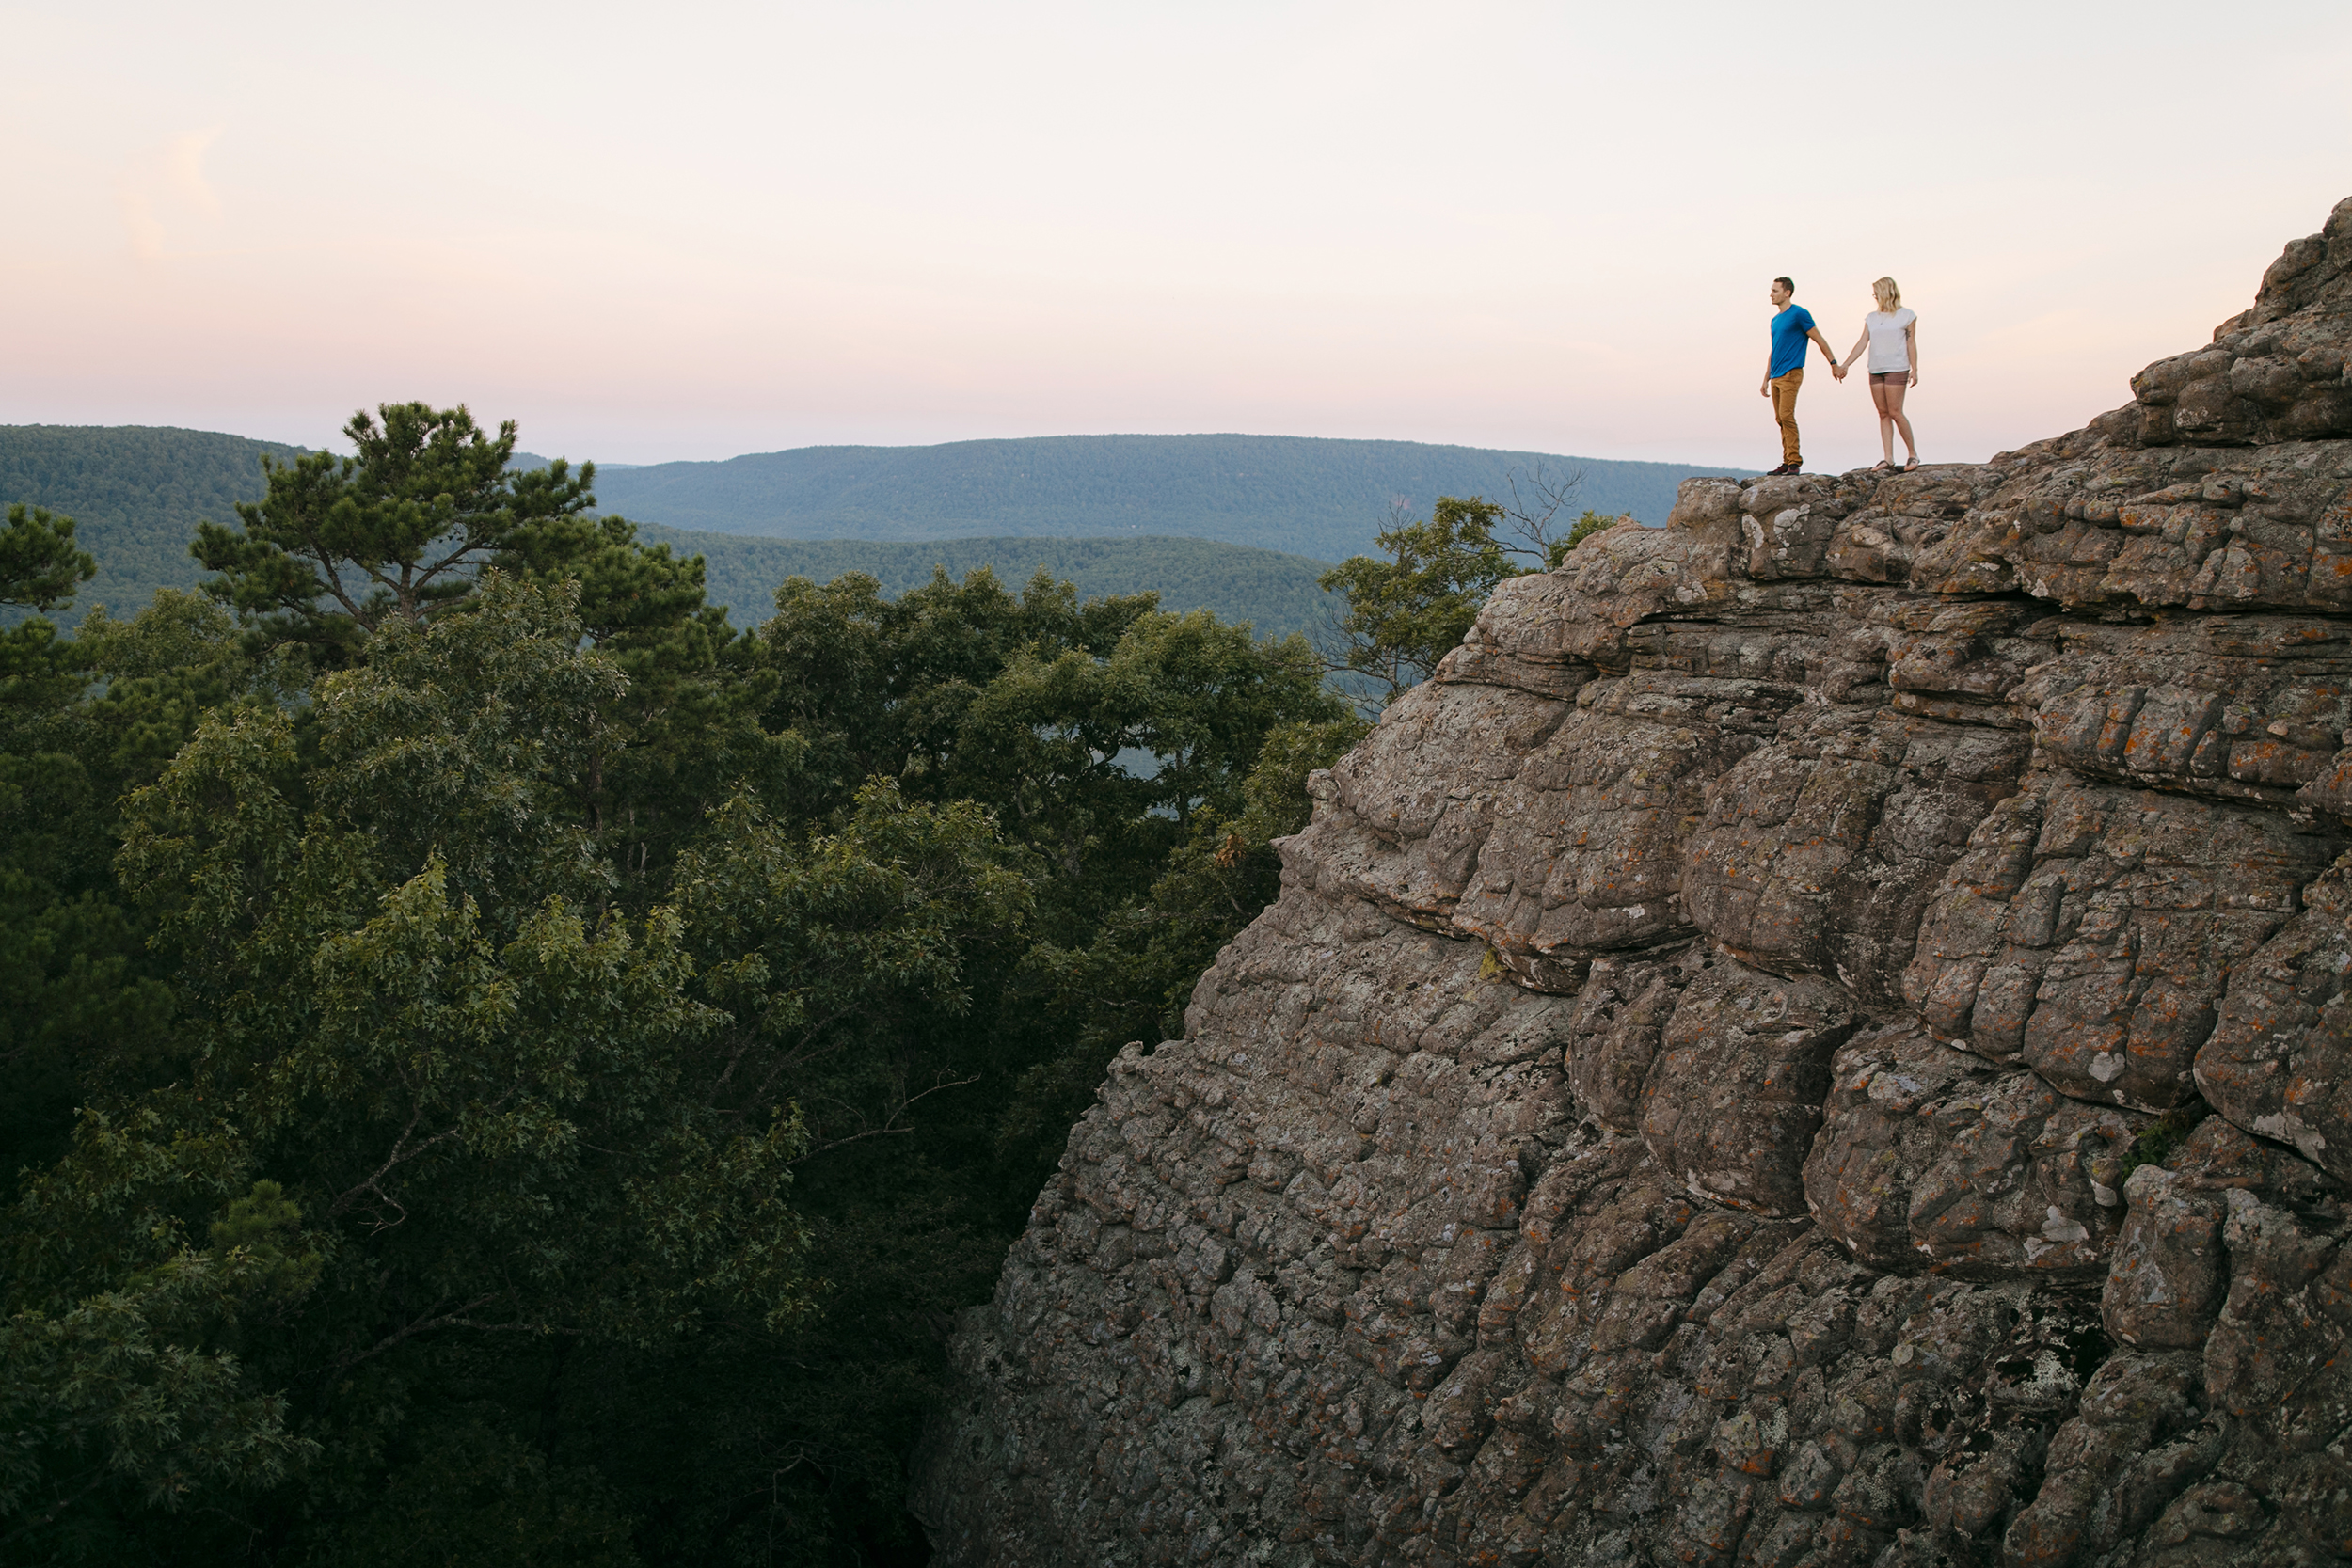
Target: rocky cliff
x,y
1820,1038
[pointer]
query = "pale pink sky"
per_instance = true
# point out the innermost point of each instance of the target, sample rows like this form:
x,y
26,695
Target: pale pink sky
x,y
696,231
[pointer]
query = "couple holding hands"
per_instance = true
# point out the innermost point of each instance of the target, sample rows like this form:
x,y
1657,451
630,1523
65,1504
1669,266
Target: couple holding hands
x,y
1891,335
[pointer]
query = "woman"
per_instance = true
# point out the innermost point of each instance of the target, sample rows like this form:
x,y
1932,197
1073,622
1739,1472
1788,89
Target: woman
x,y
1892,332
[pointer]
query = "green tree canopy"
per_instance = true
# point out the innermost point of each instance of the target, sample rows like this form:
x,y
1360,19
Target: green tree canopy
x,y
40,567
1407,611
1403,611
1093,731
1587,525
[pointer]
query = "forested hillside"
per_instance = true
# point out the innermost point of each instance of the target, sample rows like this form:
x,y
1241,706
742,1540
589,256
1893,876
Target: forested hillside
x,y
1237,525
1324,498
1272,591
137,491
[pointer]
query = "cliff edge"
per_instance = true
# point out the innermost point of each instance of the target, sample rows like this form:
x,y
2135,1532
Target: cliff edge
x,y
1820,1037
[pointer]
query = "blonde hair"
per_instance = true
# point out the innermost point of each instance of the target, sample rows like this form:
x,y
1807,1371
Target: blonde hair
x,y
1889,296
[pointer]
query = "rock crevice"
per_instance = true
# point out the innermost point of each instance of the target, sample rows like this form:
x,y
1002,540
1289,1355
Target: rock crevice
x,y
1820,1037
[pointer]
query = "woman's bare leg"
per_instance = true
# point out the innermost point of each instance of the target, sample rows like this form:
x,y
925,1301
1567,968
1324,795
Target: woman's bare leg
x,y
1886,425
1895,387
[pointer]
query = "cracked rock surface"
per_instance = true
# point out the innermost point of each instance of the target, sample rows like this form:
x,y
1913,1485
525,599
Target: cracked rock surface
x,y
1820,1038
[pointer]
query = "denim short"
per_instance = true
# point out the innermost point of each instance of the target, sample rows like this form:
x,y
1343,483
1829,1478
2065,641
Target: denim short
x,y
1879,378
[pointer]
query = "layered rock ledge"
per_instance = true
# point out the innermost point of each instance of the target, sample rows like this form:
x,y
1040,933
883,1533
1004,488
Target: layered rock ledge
x,y
1820,1038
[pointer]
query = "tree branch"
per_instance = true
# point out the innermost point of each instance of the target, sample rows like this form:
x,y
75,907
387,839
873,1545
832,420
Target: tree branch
x,y
401,1154
889,1124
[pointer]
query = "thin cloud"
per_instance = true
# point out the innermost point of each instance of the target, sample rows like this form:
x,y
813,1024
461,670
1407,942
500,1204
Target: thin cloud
x,y
138,219
169,185
185,166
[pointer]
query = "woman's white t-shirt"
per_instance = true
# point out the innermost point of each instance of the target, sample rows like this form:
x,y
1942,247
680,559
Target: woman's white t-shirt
x,y
1887,349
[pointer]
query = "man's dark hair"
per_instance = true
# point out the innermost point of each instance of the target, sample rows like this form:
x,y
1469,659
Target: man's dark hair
x,y
1788,283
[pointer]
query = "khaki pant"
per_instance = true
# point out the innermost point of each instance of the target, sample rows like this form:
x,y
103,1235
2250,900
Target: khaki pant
x,y
1784,411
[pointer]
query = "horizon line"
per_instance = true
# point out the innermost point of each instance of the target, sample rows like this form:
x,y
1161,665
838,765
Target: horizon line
x,y
1729,470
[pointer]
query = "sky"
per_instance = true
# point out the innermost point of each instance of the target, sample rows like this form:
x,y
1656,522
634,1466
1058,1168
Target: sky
x,y
688,232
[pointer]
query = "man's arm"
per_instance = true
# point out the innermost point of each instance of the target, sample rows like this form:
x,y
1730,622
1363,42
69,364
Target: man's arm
x,y
1827,352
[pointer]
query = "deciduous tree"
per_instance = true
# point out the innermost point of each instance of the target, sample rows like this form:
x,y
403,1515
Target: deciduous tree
x,y
1407,611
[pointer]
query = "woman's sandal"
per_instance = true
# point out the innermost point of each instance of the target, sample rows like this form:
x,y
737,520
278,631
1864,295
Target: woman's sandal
x,y
1912,464
1884,465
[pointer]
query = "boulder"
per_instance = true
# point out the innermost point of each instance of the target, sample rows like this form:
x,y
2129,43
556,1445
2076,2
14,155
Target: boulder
x,y
2091,932
1734,1097
1930,1157
2278,1063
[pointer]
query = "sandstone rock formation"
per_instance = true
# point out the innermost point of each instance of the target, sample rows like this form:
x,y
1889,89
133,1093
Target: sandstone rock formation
x,y
1820,1038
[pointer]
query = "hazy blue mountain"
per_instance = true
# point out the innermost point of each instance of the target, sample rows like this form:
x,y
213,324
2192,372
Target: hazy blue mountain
x,y
1312,496
138,491
1275,593
1239,524
533,460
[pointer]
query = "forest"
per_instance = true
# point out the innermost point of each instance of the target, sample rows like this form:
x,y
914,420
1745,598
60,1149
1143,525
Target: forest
x,y
1276,594
138,492
499,1065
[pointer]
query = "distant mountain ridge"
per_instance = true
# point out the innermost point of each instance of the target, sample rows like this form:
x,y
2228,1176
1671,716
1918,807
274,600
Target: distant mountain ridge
x,y
138,491
1237,524
1308,496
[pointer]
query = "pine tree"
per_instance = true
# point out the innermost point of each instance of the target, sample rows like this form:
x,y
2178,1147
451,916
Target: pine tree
x,y
340,544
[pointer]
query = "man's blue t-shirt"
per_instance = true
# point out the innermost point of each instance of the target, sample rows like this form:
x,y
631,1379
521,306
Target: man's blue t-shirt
x,y
1789,330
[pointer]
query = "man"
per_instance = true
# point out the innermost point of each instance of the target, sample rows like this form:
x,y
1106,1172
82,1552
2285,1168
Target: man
x,y
1783,372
